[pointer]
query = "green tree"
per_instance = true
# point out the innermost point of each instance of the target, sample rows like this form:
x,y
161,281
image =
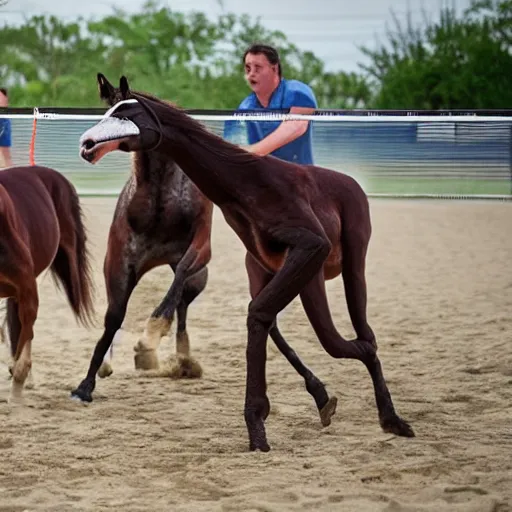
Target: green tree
x,y
47,62
456,62
185,58
158,49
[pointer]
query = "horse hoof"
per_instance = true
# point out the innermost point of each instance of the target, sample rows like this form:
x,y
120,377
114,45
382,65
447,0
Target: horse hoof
x,y
184,367
261,446
397,426
16,400
147,360
105,370
80,395
328,411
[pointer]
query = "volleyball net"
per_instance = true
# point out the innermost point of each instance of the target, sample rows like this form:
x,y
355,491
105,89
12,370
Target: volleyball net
x,y
439,154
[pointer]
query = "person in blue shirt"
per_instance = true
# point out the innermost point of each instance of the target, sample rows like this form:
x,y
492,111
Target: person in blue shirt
x,y
5,131
288,140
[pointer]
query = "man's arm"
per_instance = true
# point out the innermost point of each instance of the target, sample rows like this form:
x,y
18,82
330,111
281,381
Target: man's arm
x,y
285,133
6,155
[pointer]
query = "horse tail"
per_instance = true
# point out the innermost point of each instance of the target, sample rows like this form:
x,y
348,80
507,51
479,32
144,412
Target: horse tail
x,y
71,265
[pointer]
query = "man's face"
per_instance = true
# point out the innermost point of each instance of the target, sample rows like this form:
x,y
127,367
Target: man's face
x,y
3,100
259,73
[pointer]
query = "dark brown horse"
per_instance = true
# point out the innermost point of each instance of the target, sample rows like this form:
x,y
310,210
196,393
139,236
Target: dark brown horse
x,y
162,218
300,225
41,227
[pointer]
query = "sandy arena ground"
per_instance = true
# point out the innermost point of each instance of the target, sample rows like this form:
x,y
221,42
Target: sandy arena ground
x,y
440,302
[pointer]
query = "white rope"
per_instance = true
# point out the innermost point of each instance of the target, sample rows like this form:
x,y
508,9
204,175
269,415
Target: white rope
x,y
370,118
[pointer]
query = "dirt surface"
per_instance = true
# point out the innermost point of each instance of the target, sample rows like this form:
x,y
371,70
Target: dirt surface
x,y
440,300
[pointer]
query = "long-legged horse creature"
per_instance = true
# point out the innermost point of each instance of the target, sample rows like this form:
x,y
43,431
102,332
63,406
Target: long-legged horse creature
x,y
300,225
41,227
161,218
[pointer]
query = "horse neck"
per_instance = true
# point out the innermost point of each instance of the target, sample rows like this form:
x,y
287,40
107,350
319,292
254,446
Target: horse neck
x,y
213,165
151,168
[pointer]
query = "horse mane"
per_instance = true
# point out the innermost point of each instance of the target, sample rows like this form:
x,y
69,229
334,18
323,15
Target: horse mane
x,y
170,114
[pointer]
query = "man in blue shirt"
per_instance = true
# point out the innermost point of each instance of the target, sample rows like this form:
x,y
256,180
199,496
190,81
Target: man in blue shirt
x,y
5,132
288,140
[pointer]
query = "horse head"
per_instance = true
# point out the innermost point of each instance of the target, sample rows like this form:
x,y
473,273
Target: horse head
x,y
129,125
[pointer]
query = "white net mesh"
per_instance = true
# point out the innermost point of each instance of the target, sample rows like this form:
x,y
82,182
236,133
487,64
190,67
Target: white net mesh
x,y
448,156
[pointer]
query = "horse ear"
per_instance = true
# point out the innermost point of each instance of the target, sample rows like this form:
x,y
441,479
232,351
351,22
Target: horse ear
x,y
105,88
124,87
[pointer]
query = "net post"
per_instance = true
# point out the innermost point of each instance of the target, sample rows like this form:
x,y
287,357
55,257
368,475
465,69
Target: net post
x,y
33,138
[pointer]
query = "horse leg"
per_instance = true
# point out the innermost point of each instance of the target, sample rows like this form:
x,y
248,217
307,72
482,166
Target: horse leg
x,y
353,272
27,307
3,338
12,322
315,387
105,370
258,279
315,304
186,366
14,330
157,326
120,286
159,323
307,251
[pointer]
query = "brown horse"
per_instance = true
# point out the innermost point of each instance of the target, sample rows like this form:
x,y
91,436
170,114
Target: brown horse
x,y
300,225
41,227
162,218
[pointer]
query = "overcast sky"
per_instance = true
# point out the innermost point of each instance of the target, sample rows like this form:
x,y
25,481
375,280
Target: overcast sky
x,y
332,29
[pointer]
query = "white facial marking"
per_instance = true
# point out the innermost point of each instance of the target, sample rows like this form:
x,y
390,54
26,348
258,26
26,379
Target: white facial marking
x,y
113,108
111,128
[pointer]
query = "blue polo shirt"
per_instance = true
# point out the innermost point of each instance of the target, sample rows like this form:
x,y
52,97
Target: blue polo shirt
x,y
5,132
289,93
